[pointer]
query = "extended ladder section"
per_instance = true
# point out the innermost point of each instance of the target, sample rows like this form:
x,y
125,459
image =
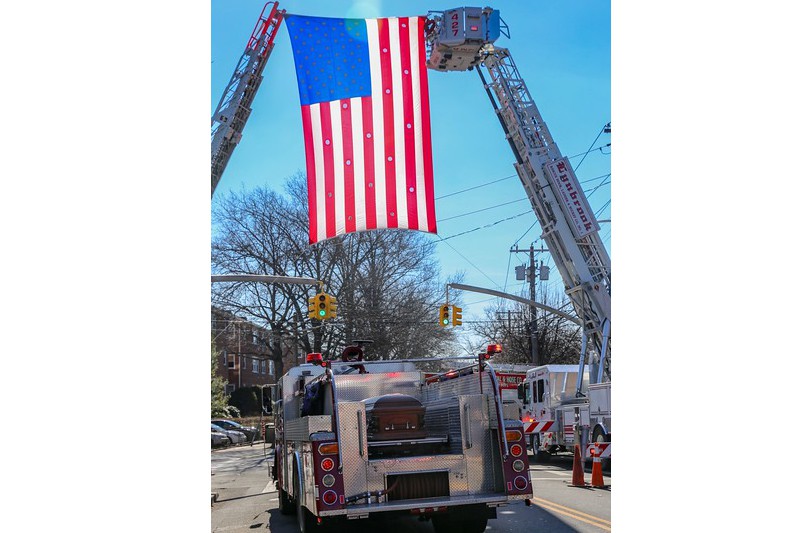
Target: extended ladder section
x,y
568,224
463,39
230,117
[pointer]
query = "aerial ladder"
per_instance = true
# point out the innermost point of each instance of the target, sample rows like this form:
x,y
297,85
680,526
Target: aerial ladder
x,y
234,108
463,39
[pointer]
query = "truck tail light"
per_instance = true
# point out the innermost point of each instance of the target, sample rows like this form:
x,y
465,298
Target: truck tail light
x,y
327,464
329,449
329,497
516,450
513,435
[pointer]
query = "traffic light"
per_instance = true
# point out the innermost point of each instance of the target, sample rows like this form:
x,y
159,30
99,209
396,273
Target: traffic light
x,y
322,306
331,306
456,316
312,307
444,315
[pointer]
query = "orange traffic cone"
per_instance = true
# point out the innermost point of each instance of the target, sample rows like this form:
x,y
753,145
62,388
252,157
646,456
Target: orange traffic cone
x,y
597,470
577,468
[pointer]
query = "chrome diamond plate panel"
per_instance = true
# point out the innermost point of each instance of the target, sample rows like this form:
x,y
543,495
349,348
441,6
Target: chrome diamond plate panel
x,y
357,387
353,447
300,428
442,418
469,384
479,454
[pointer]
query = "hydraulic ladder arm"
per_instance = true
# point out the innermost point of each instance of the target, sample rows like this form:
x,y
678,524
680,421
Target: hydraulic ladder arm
x,y
233,110
462,39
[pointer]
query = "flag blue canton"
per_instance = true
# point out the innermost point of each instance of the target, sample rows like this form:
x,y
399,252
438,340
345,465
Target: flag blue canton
x,y
331,57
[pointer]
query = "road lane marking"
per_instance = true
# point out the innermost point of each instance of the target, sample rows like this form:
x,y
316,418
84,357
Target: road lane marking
x,y
570,509
572,513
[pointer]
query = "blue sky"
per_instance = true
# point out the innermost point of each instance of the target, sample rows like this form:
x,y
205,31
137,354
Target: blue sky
x,y
563,51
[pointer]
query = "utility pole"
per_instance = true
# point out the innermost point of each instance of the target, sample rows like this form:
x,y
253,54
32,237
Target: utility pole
x,y
532,278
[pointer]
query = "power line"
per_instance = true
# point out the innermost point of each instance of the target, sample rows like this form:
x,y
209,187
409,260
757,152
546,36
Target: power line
x,y
603,129
484,227
476,187
484,209
464,257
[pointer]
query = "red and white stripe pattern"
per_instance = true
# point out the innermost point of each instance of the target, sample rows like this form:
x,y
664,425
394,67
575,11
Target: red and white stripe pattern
x,y
368,159
537,427
601,450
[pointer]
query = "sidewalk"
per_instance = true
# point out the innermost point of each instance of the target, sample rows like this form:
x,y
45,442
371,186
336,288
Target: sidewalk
x,y
257,443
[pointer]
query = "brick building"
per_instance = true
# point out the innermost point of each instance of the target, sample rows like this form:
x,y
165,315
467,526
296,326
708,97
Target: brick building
x,y
242,348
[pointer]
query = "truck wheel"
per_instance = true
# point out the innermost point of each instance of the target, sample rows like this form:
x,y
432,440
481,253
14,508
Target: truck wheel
x,y
445,524
474,526
284,505
449,524
599,436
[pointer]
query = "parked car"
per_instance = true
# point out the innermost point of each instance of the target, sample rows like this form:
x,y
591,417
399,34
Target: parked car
x,y
236,437
251,432
219,439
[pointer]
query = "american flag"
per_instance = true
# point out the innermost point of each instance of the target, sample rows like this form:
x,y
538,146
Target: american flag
x,y
366,123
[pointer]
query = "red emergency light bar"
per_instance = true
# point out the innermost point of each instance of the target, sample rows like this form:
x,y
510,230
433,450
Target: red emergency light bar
x,y
314,358
494,348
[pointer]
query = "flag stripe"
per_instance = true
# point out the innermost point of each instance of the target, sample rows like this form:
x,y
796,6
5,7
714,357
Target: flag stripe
x,y
399,135
349,185
357,141
319,165
426,136
420,194
369,164
310,174
388,123
337,145
379,160
330,180
410,189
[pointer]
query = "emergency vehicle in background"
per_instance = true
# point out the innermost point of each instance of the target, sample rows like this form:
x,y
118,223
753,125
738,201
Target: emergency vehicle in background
x,y
557,400
355,438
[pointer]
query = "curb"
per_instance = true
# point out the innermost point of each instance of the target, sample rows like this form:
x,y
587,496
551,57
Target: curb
x,y
214,496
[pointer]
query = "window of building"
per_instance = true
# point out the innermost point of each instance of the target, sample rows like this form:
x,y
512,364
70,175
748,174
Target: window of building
x,y
263,366
229,388
271,367
231,360
255,366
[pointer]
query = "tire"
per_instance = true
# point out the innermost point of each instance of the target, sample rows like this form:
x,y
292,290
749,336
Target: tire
x,y
445,524
449,524
474,526
285,506
599,436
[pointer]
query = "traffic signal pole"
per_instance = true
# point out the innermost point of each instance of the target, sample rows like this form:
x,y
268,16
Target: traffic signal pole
x,y
520,299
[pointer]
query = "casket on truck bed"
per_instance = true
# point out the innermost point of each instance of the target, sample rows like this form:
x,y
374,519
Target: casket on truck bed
x,y
395,417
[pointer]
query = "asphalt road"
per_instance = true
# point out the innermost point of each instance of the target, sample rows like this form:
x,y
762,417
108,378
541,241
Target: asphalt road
x,y
246,501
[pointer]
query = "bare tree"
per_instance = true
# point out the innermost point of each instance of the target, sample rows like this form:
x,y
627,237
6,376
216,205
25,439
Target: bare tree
x,y
386,281
509,323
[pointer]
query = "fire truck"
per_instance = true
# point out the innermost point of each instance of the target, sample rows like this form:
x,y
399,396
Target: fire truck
x,y
357,438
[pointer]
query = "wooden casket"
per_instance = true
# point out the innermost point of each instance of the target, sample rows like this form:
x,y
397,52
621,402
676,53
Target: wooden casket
x,y
395,417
